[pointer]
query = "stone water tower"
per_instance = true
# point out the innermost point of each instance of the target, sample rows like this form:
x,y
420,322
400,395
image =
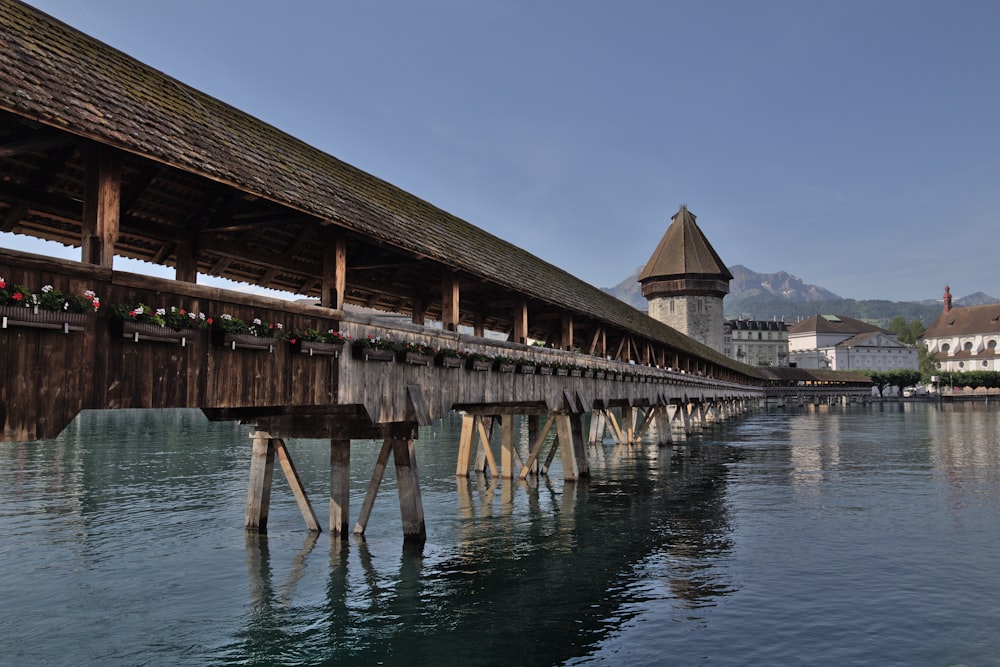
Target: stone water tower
x,y
685,282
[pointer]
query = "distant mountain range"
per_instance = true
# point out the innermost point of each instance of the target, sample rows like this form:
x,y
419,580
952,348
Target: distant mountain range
x,y
767,296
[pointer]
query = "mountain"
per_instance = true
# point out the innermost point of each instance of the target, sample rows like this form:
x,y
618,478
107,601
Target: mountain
x,y
782,296
975,299
747,284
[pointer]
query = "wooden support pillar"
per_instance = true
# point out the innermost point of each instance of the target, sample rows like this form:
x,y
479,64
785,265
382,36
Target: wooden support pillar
x,y
334,270
417,316
298,490
261,475
465,440
598,423
531,463
373,486
449,301
579,446
663,434
411,507
567,332
186,251
521,323
564,432
101,207
628,420
340,485
507,447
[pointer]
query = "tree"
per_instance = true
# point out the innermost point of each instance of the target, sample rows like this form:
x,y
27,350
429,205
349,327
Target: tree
x,y
902,377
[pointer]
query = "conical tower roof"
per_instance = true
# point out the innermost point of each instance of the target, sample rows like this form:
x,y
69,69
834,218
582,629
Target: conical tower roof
x,y
684,252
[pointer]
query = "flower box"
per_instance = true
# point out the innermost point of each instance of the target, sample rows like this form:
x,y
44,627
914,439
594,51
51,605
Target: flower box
x,y
315,348
147,331
545,370
562,371
527,369
576,372
477,365
450,362
242,341
373,353
417,359
506,368
599,375
55,320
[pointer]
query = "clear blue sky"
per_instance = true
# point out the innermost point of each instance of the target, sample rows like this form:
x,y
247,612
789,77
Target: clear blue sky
x,y
855,144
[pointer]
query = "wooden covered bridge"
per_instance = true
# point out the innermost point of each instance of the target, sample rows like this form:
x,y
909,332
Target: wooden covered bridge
x,y
100,152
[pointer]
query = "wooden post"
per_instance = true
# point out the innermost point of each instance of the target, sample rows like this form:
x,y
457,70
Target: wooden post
x,y
101,208
299,491
373,484
334,270
531,463
449,301
579,447
567,331
340,485
507,446
261,475
564,431
521,323
186,252
411,507
465,445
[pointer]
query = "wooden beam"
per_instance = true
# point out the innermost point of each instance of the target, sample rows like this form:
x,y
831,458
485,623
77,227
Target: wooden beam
x,y
520,332
340,485
377,474
261,475
411,506
567,331
187,260
294,481
334,270
101,207
449,300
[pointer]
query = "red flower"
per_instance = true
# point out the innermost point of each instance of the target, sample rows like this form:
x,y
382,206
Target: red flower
x,y
209,320
182,312
292,341
3,283
17,296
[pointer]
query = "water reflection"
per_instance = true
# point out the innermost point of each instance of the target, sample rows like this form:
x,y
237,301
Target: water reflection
x,y
534,572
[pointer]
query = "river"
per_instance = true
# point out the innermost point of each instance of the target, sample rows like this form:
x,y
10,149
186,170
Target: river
x,y
810,536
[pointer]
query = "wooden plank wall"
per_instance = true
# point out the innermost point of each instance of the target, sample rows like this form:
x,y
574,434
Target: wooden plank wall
x,y
48,377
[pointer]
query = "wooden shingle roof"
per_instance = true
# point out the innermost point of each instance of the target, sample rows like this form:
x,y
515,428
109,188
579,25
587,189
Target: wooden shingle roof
x,y
258,200
684,251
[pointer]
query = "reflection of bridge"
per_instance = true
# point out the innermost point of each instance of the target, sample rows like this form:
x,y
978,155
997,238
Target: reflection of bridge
x,y
102,152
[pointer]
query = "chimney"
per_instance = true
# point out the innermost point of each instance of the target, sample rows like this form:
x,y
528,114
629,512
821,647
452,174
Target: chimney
x,y
947,299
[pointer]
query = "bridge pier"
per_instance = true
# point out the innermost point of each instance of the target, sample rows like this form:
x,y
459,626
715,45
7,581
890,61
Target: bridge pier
x,y
265,449
399,442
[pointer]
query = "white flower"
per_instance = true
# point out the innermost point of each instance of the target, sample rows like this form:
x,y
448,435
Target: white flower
x,y
47,289
201,316
278,325
138,310
256,320
192,316
227,316
161,311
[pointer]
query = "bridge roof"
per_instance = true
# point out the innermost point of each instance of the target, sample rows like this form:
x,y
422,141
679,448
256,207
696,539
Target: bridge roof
x,y
258,201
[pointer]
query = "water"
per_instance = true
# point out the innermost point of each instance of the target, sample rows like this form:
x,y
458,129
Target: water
x,y
860,535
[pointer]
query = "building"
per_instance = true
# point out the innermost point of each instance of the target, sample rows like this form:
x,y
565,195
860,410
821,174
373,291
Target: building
x,y
964,339
685,282
756,342
843,343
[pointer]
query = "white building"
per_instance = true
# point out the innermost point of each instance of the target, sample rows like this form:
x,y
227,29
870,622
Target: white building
x,y
964,339
756,342
842,343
